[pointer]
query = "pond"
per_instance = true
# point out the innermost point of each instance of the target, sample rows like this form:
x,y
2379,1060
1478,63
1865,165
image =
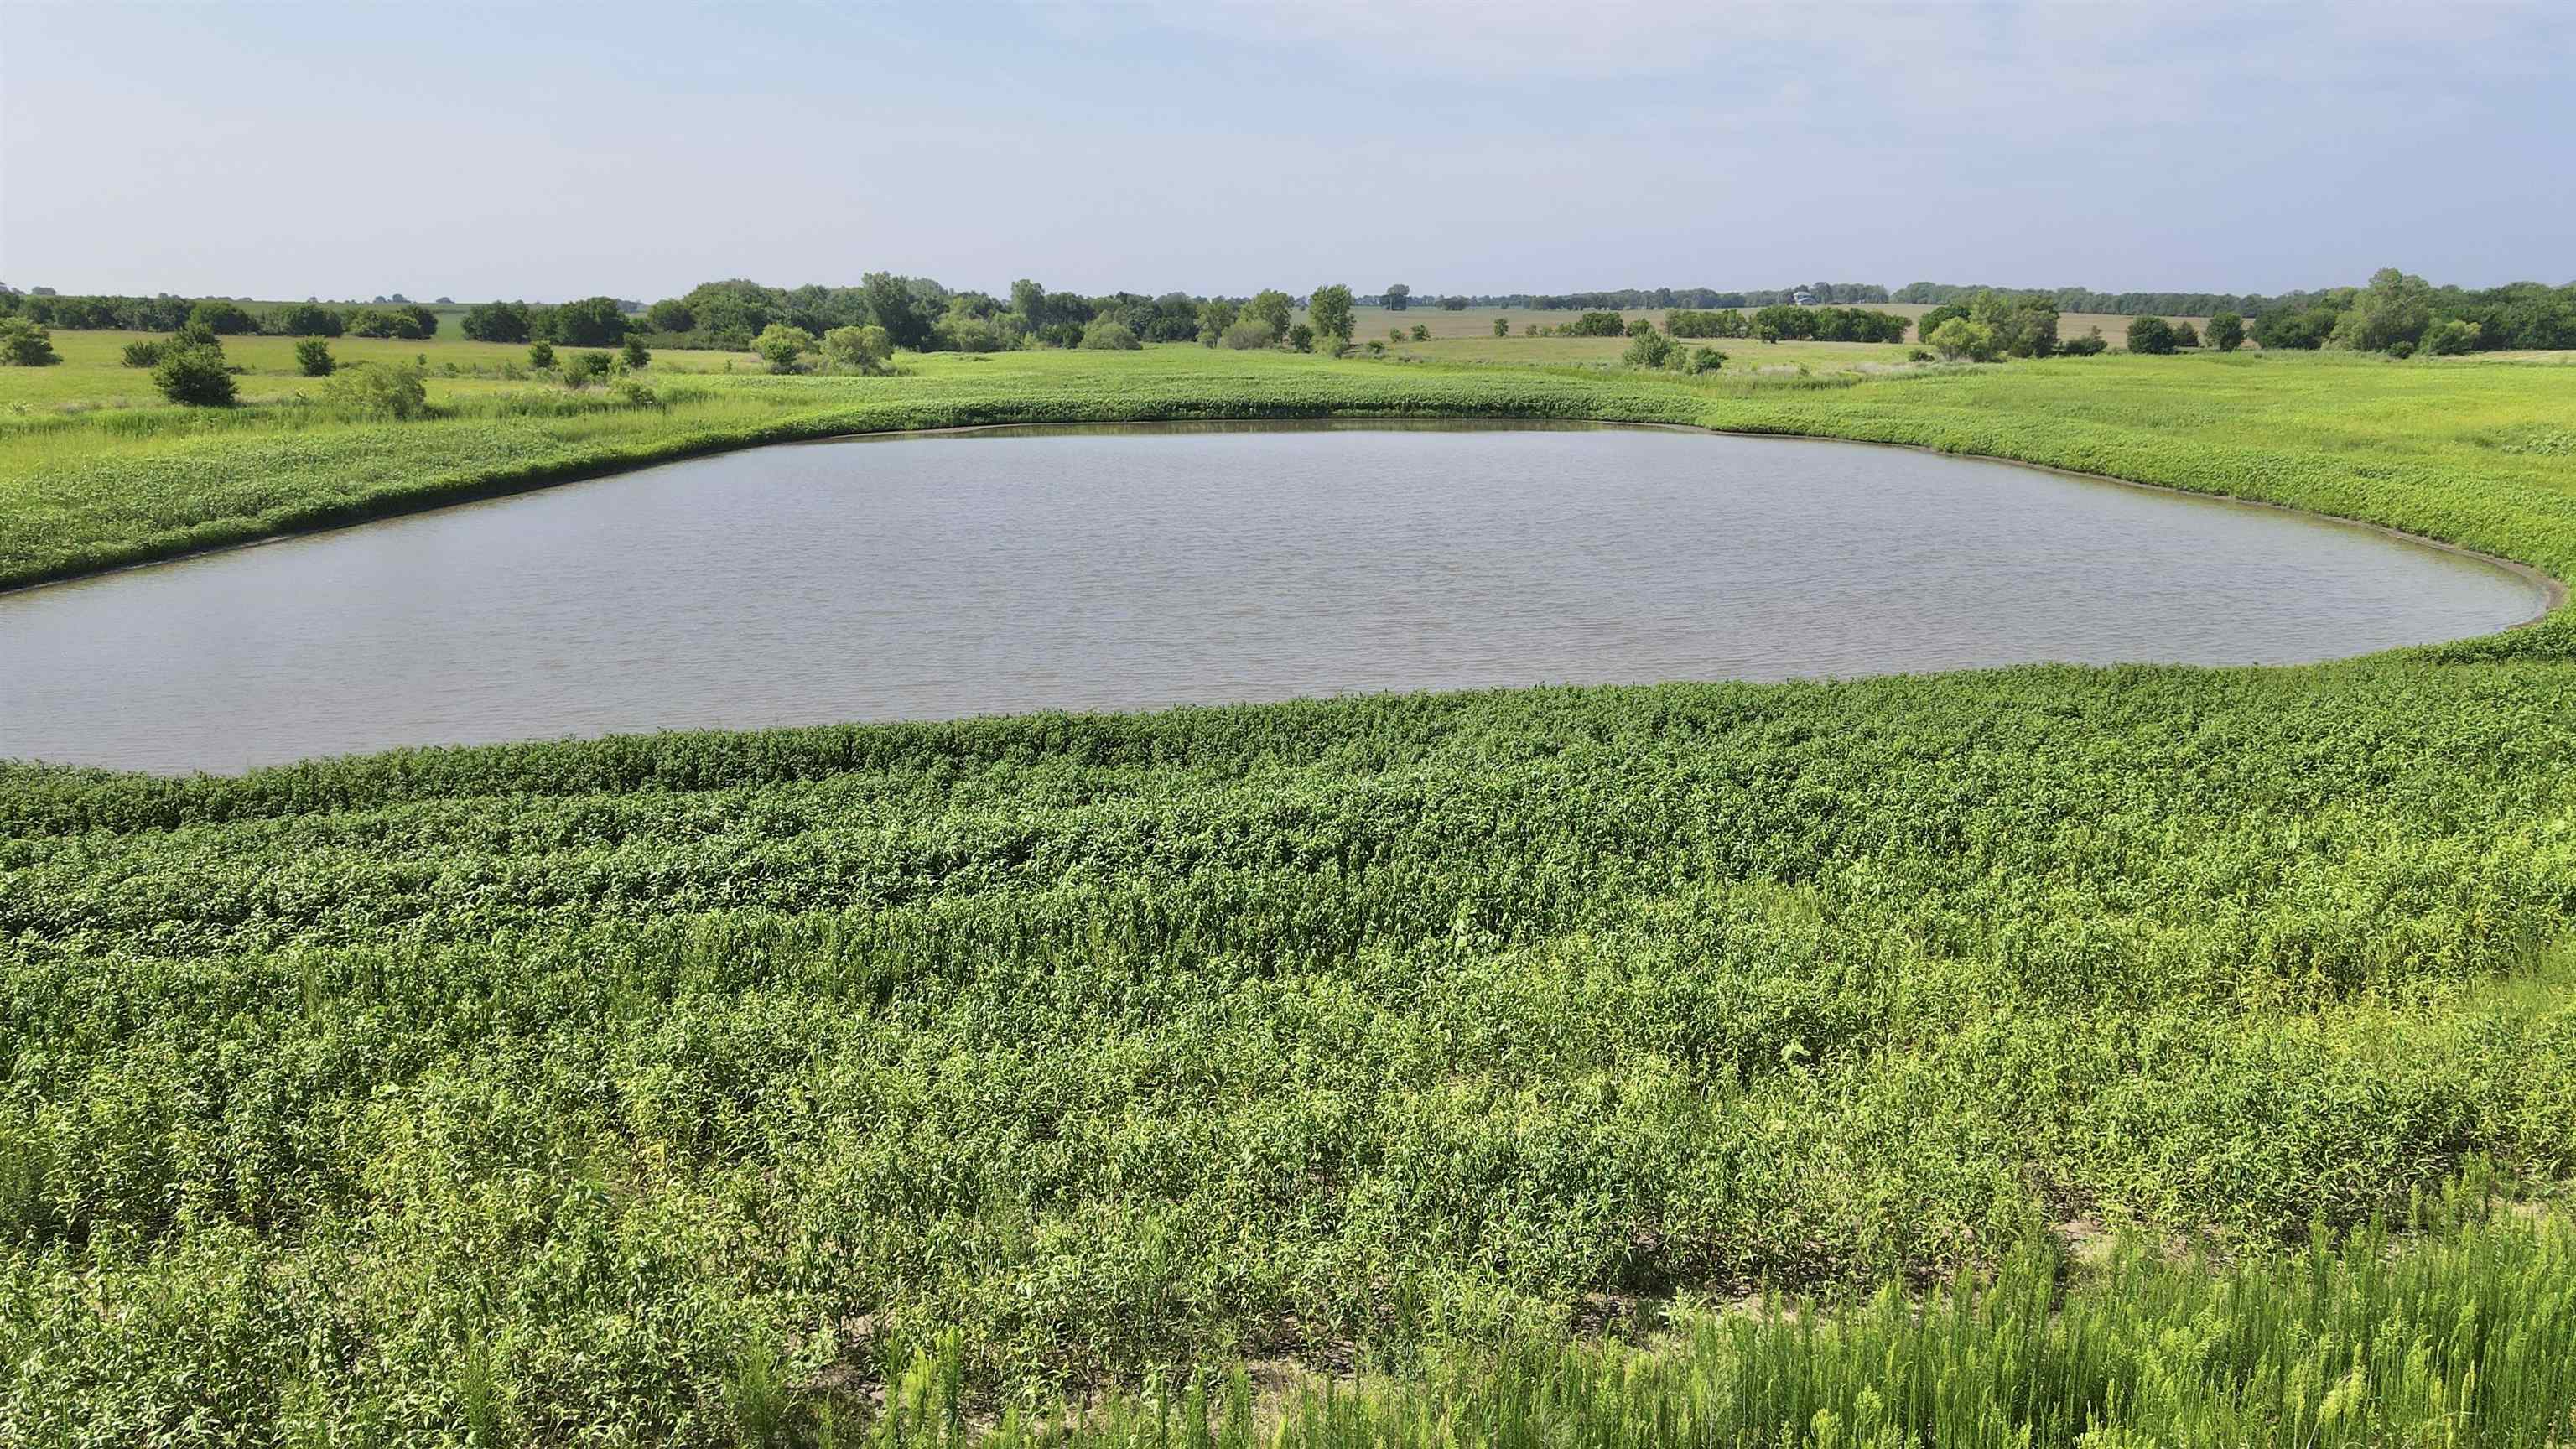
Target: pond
x,y
929,577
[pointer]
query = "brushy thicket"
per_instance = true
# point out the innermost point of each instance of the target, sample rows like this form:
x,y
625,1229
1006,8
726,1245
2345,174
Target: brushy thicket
x,y
705,1088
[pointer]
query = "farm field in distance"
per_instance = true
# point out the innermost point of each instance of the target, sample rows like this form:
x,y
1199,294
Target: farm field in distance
x,y
1330,1072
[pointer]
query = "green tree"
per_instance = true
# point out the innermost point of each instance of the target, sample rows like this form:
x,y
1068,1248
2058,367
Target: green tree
x,y
496,322
1270,311
671,315
2450,337
1215,317
541,355
1502,327
1328,311
24,344
892,306
313,357
1398,297
222,318
1959,337
2151,336
590,322
2186,335
782,346
1453,304
634,354
2394,308
1301,338
2226,331
1108,334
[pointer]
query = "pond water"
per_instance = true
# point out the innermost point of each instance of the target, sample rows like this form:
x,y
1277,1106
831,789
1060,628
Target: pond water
x,y
1132,568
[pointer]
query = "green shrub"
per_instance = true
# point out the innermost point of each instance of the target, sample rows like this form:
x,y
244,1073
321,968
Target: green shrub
x,y
496,322
378,391
1109,335
634,354
2186,335
783,347
1704,359
1649,348
867,351
2152,336
2091,344
313,357
587,368
2226,331
222,318
541,356
24,344
1959,338
140,354
194,373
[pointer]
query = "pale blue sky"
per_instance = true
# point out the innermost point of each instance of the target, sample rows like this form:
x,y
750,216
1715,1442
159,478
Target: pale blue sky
x,y
553,150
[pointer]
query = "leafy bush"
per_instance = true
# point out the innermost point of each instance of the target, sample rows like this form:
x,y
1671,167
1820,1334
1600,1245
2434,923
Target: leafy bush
x,y
1301,338
1596,324
2152,336
141,354
1246,334
783,346
303,319
194,373
2226,331
397,323
590,322
24,344
1649,348
496,322
2091,344
313,357
379,391
541,356
864,350
1421,333
634,354
2186,335
1960,338
222,318
1704,359
2450,337
1108,335
587,368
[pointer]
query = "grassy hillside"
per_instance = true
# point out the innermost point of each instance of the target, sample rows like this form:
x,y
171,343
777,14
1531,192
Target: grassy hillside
x,y
755,1088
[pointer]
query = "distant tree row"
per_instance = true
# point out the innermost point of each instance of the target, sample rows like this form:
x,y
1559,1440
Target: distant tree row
x,y
2402,314
220,316
1636,299
919,315
2083,299
1781,321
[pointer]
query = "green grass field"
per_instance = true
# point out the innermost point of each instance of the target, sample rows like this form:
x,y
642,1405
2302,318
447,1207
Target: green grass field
x,y
1377,1071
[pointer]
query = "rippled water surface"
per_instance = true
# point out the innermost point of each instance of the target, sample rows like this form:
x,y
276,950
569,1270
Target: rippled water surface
x,y
929,577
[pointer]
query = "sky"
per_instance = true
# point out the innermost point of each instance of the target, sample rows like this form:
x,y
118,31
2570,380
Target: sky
x,y
553,150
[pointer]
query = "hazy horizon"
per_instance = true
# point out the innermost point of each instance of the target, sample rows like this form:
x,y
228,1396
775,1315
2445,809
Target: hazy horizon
x,y
286,150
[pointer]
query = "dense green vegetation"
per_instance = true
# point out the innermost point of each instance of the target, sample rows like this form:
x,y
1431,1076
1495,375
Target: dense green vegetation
x,y
698,1088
